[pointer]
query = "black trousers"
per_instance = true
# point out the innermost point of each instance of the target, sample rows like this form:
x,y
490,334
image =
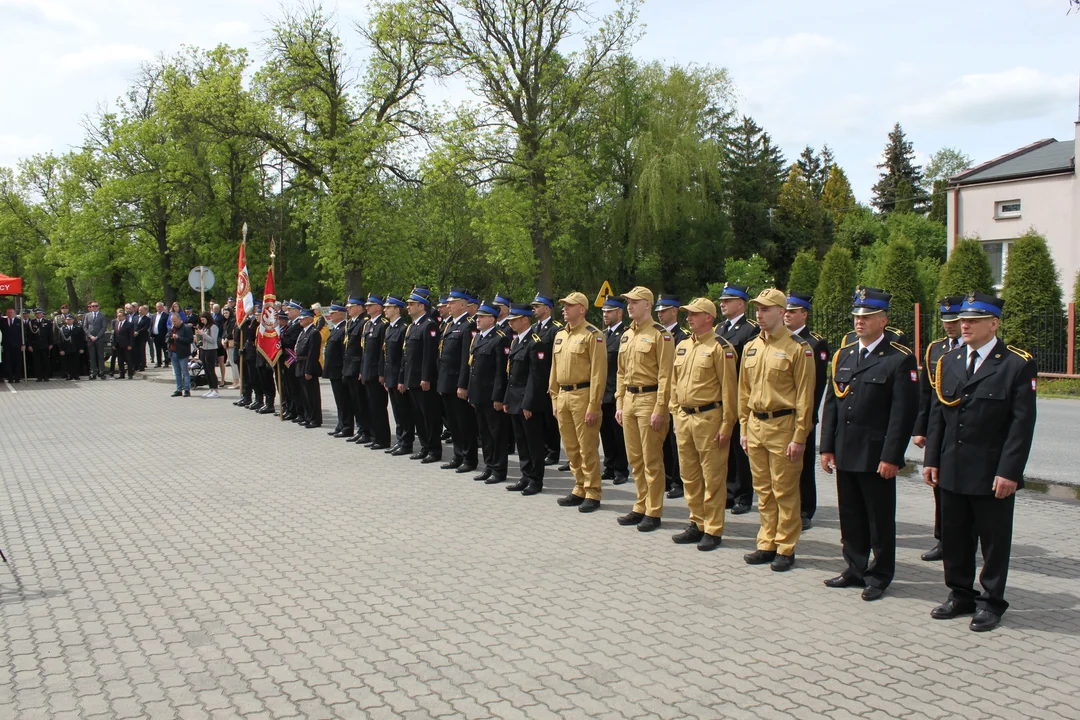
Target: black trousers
x,y
493,428
160,350
40,358
937,514
427,416
378,420
808,479
343,402
531,447
358,402
971,519
867,505
12,363
552,439
451,420
312,395
72,364
247,379
290,400
404,424
614,442
740,483
122,356
672,477
469,433
268,379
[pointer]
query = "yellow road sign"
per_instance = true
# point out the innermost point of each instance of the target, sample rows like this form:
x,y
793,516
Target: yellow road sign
x,y
605,293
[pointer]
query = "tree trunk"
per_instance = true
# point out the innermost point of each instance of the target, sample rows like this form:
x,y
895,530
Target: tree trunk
x,y
538,232
42,292
164,257
354,281
73,297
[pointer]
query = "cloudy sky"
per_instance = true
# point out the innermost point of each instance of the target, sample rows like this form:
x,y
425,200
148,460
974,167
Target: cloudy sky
x,y
985,76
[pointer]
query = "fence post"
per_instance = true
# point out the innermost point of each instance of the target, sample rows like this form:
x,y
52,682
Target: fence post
x,y
1070,361
918,336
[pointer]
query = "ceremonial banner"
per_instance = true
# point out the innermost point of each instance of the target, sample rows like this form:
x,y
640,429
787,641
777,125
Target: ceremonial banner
x,y
245,300
269,341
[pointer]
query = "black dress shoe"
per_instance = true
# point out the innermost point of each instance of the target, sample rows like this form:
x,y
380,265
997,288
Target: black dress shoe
x,y
533,489
494,480
242,403
631,518
984,621
334,433
709,542
843,581
740,508
873,593
377,446
312,425
760,557
392,448
482,476
933,554
289,417
589,506
551,460
452,465
430,459
565,467
783,563
608,474
401,451
690,535
648,524
466,468
676,491
256,406
518,486
620,480
339,434
418,456
445,437
951,609
570,500
266,410
807,523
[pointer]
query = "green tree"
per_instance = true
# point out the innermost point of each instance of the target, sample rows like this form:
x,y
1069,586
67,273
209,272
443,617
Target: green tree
x,y
1076,289
926,235
752,272
837,199
939,202
859,229
899,277
871,264
816,168
754,173
832,299
898,165
805,273
799,223
967,270
945,163
1032,294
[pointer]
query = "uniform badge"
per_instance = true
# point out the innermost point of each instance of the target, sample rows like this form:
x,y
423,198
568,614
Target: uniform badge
x,y
809,352
600,339
751,352
729,355
540,355
667,337
1032,384
433,333
823,356
914,376
506,350
680,351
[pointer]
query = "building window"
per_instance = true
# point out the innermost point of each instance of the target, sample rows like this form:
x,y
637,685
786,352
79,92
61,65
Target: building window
x,y
1007,209
998,252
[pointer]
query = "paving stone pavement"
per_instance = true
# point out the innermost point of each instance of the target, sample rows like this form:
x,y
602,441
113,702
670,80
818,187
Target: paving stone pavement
x,y
180,558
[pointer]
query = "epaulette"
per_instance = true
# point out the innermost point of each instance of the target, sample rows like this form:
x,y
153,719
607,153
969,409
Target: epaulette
x,y
558,323
935,342
500,333
845,342
815,335
659,327
898,331
902,348
383,318
536,337
591,328
800,339
1017,351
725,342
750,321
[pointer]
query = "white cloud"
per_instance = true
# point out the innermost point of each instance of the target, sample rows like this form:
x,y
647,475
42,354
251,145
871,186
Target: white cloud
x,y
232,30
797,48
54,13
984,98
101,56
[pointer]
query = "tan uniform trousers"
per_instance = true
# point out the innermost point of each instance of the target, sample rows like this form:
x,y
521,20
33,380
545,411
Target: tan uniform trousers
x,y
776,482
645,451
582,442
704,468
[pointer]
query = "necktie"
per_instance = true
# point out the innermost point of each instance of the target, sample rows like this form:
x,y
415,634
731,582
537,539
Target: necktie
x,y
863,354
972,357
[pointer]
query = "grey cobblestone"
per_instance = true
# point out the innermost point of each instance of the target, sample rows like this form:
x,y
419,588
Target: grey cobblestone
x,y
309,578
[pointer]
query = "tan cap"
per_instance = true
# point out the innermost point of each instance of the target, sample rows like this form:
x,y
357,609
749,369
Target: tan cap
x,y
771,296
639,293
576,298
704,305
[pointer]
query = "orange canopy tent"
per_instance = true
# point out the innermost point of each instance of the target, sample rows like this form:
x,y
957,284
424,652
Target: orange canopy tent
x,y
10,285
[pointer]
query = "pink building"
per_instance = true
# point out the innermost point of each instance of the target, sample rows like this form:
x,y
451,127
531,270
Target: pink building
x,y
1037,186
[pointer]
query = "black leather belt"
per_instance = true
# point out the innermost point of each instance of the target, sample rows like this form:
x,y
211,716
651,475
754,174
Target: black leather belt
x,y
701,409
571,388
635,389
777,414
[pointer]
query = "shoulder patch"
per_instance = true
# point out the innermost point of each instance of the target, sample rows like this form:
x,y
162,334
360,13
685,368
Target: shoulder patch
x,y
815,335
659,327
500,333
898,331
1017,351
591,328
725,343
902,348
800,339
751,322
536,337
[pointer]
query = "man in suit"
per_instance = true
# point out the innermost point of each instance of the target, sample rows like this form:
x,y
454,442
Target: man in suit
x,y
949,307
738,330
353,343
95,325
982,421
546,327
487,389
124,344
616,468
420,374
70,340
393,364
454,382
865,430
526,386
159,333
291,393
795,317
667,314
40,344
141,336
308,369
252,392
333,363
371,374
11,336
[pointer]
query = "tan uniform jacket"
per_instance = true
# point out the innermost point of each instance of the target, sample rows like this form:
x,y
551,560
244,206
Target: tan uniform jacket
x,y
580,356
778,374
705,373
646,356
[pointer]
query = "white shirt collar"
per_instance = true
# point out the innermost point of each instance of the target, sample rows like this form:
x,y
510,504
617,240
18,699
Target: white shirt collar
x,y
373,318
870,348
462,315
796,332
615,327
733,321
485,333
983,352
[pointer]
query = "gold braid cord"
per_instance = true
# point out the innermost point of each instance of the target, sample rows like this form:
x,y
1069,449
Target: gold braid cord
x,y
937,387
836,387
931,376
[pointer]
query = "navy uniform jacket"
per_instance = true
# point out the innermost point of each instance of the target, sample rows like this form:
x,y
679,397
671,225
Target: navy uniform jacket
x,y
928,382
248,335
371,366
393,351
308,348
892,334
871,407
546,334
678,334
123,334
613,340
334,353
527,382
289,337
11,331
981,427
354,348
39,334
487,368
421,360
71,339
454,354
820,346
741,333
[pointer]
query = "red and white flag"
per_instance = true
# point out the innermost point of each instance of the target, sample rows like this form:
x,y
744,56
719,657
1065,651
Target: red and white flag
x,y
245,301
268,341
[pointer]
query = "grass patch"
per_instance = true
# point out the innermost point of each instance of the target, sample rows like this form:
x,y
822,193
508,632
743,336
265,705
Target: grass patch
x,y
1059,387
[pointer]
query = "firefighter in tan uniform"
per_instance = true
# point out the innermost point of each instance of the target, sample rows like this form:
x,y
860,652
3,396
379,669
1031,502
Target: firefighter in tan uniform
x,y
642,392
704,406
776,398
576,386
